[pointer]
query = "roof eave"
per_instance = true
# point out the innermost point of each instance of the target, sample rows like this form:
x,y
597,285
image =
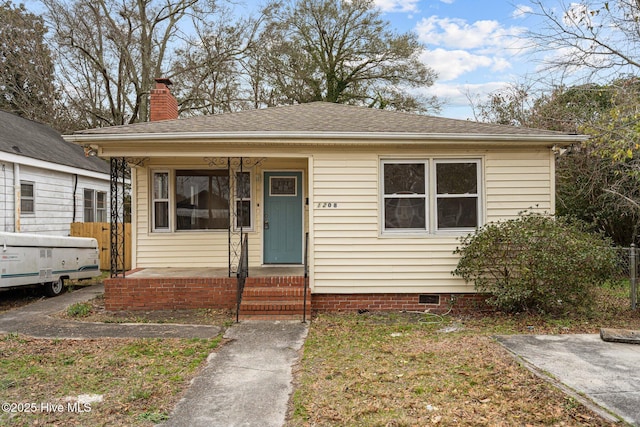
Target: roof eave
x,y
329,138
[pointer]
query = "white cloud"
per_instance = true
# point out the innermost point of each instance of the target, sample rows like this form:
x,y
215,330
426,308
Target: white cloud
x,y
397,5
457,96
451,64
459,34
521,11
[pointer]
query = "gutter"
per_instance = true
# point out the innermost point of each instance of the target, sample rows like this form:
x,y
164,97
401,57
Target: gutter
x,y
325,138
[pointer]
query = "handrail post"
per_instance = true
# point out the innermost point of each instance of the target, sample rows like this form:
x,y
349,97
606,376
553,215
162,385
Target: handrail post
x,y
242,273
306,277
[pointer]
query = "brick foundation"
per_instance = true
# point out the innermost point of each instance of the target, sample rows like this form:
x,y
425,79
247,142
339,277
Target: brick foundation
x,y
169,294
459,303
203,292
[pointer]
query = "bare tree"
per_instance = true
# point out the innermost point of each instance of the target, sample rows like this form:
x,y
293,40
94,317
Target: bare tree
x,y
26,65
209,71
110,51
590,36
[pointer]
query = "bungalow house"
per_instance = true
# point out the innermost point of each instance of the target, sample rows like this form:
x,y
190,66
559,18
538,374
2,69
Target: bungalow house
x,y
371,201
47,182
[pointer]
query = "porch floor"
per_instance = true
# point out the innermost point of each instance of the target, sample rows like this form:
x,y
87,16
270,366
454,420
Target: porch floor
x,y
257,271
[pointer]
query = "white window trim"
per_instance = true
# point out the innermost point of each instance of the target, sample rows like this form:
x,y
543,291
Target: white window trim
x,y
94,207
251,199
431,214
84,204
97,209
383,197
33,198
477,194
153,200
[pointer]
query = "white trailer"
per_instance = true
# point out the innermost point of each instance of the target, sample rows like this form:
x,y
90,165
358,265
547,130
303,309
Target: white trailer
x,y
33,259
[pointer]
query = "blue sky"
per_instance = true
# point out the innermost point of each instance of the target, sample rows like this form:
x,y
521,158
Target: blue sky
x,y
475,46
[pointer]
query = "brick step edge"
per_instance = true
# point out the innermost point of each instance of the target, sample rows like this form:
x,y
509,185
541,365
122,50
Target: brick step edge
x,y
275,282
274,293
288,317
247,307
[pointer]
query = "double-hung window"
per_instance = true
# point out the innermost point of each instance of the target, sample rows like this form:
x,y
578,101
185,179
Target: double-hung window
x,y
101,206
95,205
160,201
457,197
405,195
27,197
243,200
430,195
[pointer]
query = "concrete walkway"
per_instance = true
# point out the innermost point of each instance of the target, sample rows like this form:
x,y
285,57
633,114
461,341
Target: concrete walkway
x,y
607,373
248,382
35,320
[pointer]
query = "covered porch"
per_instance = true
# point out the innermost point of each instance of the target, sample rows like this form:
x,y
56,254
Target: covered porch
x,y
195,217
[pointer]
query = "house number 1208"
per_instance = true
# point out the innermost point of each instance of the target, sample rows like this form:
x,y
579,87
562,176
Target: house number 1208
x,y
327,205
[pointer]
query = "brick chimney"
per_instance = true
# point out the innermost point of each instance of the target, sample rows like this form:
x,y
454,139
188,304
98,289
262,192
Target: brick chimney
x,y
162,105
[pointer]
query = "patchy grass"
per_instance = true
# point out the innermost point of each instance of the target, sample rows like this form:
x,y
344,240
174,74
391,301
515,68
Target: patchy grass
x,y
94,311
80,309
410,369
133,382
369,370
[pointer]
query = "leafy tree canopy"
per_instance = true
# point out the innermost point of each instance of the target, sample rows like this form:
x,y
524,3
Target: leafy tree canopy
x,y
26,65
343,51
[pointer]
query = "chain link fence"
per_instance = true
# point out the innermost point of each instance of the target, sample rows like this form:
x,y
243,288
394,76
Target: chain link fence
x,y
628,260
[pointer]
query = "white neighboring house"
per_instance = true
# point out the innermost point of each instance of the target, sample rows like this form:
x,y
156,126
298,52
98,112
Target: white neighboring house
x,y
47,183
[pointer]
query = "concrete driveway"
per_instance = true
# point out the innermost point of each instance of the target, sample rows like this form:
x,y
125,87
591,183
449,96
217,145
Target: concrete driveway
x,y
607,373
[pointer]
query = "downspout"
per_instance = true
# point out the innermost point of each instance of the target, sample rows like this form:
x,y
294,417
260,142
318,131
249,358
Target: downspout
x,y
16,192
4,196
75,189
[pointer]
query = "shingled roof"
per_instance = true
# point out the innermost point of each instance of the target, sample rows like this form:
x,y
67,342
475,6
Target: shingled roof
x,y
317,117
27,138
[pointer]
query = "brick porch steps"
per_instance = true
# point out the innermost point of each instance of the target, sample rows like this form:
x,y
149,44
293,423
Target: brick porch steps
x,y
274,298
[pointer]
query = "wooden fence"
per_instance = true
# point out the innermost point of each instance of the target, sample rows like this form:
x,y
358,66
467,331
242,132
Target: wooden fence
x,y
101,232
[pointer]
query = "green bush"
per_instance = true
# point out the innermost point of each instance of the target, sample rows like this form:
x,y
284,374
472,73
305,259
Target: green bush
x,y
535,263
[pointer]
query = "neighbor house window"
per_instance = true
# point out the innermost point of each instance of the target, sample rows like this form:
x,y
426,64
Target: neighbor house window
x,y
160,202
95,205
202,199
89,214
243,200
430,195
27,198
101,206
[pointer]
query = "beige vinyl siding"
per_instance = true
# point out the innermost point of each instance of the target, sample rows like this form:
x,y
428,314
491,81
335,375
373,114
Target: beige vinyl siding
x,y
190,248
516,181
349,252
352,255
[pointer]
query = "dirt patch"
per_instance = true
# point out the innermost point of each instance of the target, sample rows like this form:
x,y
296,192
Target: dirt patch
x,y
19,297
94,311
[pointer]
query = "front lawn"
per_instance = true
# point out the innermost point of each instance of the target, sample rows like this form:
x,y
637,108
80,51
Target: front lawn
x,y
98,382
410,369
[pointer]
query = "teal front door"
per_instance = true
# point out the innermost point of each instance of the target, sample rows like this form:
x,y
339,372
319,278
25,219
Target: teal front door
x,y
283,217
